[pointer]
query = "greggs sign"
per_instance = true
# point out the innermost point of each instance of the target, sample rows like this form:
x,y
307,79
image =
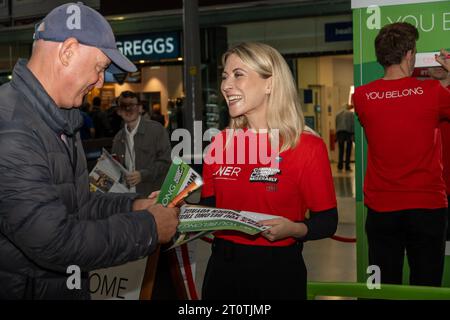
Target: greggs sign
x,y
153,46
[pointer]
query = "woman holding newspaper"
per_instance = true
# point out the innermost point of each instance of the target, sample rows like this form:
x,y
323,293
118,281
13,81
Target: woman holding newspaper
x,y
265,163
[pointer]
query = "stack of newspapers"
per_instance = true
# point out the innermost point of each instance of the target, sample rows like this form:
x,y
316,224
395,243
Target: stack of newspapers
x,y
198,221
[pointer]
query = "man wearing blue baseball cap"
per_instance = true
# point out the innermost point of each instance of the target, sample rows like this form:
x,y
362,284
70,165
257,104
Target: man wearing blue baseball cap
x,y
86,25
48,218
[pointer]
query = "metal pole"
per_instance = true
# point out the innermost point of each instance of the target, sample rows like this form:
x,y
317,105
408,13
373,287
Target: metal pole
x,y
193,106
10,13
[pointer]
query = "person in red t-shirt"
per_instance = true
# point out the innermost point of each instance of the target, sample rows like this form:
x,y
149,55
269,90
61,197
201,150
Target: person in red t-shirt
x,y
267,163
441,74
403,189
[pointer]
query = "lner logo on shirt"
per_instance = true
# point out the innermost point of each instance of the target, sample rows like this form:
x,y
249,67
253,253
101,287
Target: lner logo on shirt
x,y
227,172
264,175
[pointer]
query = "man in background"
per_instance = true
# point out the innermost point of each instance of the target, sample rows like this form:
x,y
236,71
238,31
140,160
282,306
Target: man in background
x,y
87,131
345,131
143,146
100,118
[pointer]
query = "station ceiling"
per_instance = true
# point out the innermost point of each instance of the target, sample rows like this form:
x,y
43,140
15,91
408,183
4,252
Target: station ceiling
x,y
215,13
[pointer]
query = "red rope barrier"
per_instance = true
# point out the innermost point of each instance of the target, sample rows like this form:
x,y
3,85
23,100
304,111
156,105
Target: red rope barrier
x,y
343,239
206,239
188,272
337,238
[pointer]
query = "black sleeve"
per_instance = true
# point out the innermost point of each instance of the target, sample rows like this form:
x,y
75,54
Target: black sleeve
x,y
321,224
208,202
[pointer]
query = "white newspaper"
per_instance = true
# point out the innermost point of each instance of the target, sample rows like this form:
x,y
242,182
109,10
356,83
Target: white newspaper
x,y
122,282
198,221
108,175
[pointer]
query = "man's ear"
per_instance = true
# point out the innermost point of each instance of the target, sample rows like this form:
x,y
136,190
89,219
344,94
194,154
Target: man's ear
x,y
269,85
409,54
67,50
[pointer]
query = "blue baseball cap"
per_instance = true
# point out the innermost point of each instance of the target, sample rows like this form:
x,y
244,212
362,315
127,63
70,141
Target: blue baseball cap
x,y
89,27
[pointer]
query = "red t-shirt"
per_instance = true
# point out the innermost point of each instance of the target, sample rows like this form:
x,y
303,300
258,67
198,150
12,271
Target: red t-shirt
x,y
401,119
445,132
298,180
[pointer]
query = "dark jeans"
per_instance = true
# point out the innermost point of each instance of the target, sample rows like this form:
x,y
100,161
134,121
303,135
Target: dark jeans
x,y
242,272
344,139
421,232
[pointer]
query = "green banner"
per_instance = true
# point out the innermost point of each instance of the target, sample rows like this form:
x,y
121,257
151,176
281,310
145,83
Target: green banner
x,y
431,19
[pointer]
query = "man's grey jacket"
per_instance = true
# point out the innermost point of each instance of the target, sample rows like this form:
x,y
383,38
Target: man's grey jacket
x,y
152,154
345,121
48,218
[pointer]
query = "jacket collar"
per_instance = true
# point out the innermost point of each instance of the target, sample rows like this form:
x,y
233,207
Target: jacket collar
x,y
67,121
140,129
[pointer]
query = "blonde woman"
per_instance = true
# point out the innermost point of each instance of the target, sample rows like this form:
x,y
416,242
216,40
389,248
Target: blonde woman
x,y
266,118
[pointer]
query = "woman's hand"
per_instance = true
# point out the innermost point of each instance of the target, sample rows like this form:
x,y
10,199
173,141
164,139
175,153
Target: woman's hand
x,y
283,228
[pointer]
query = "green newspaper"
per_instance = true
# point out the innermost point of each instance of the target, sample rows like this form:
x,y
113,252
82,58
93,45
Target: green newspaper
x,y
196,218
197,222
180,181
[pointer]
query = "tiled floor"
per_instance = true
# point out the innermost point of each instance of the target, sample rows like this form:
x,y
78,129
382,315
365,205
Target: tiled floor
x,y
327,259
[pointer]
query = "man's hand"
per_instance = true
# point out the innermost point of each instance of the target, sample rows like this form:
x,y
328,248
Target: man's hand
x,y
144,204
154,195
444,59
133,178
166,221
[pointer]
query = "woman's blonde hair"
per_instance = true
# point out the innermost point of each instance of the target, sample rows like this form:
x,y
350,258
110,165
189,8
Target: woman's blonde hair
x,y
284,110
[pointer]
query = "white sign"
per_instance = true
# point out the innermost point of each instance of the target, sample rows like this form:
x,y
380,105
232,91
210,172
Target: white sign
x,y
426,59
122,282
